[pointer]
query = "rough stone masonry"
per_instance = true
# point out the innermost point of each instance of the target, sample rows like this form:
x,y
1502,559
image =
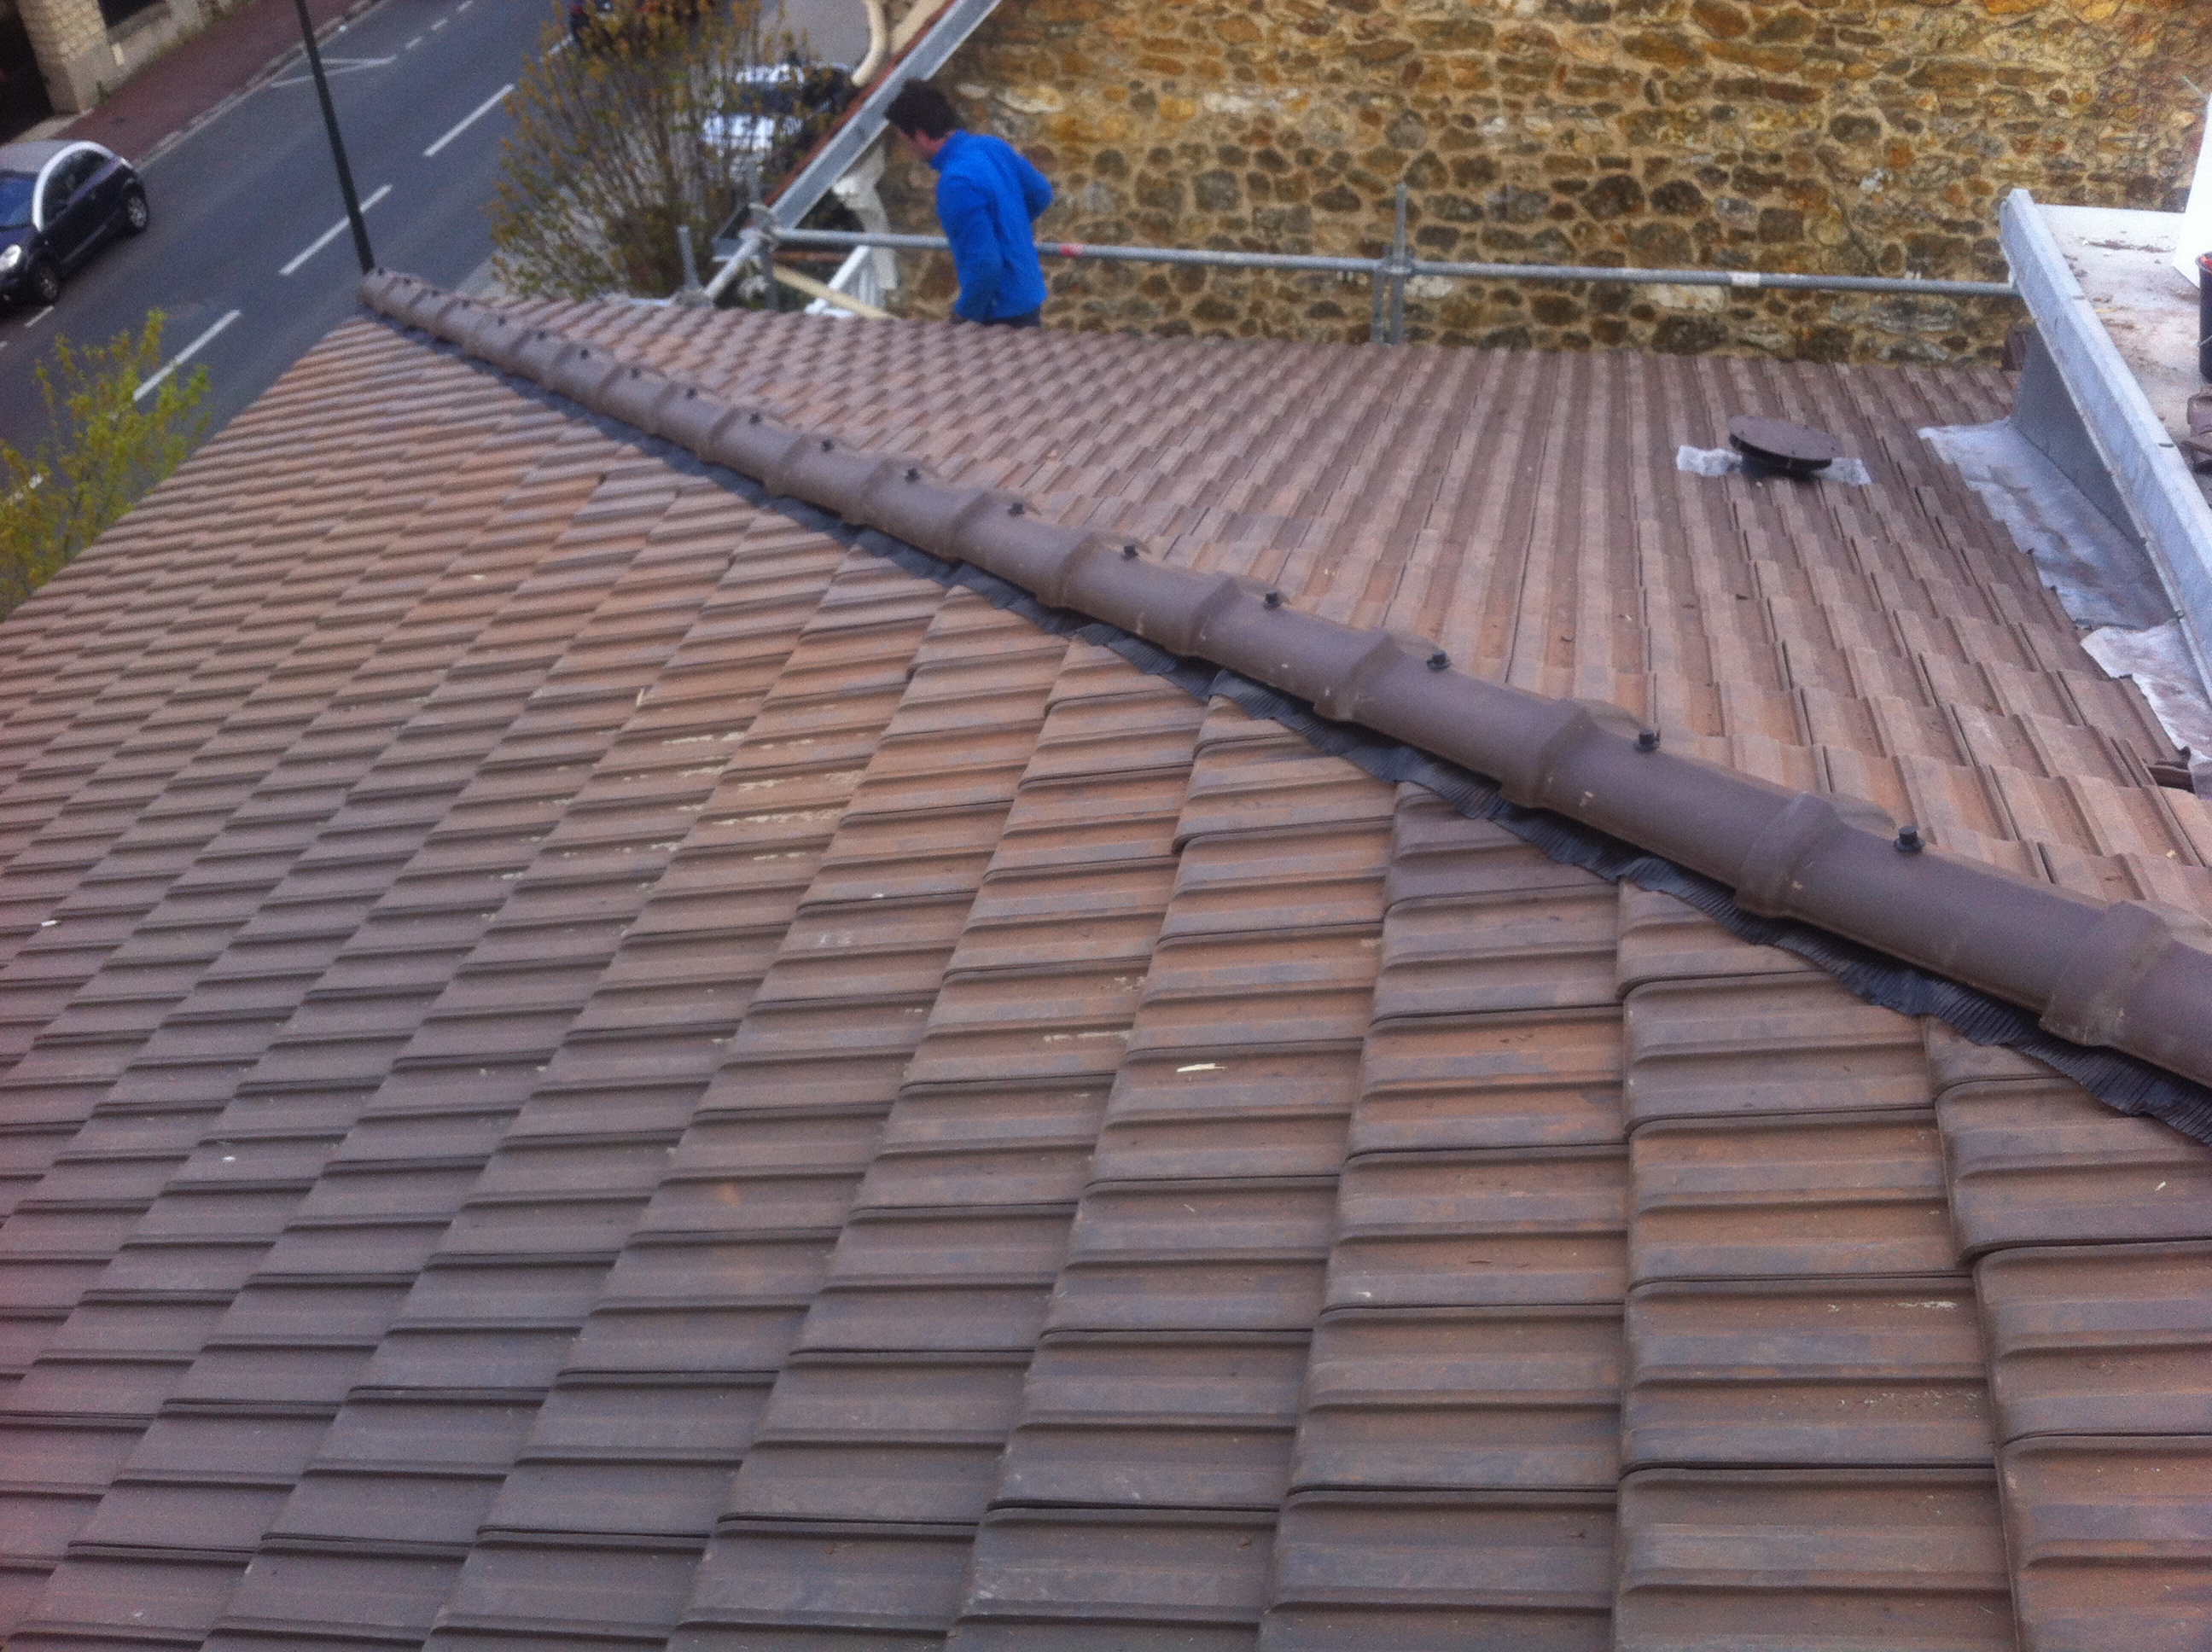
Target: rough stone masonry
x,y
1854,136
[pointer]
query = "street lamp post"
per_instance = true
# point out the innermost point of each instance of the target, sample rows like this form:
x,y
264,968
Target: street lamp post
x,y
337,143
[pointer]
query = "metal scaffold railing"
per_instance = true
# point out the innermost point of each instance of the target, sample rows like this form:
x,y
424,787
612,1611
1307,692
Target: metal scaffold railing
x,y
1391,273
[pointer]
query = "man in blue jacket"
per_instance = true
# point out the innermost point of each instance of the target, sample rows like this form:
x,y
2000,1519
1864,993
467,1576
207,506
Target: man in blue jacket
x,y
987,199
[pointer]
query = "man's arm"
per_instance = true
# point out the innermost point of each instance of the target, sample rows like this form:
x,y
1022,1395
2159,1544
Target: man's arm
x,y
1036,188
965,215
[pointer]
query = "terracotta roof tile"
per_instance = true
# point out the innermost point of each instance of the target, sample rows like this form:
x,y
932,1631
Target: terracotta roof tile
x,y
584,1061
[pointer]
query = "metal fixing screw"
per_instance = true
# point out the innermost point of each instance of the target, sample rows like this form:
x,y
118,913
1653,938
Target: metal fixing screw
x,y
1909,840
914,473
1272,600
1438,660
1016,508
1129,552
1647,739
827,444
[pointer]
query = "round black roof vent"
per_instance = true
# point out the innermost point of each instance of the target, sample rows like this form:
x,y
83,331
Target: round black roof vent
x,y
1777,448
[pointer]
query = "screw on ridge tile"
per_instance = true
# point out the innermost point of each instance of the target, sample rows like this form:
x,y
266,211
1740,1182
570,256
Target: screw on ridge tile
x,y
752,418
1909,840
1438,660
1647,739
1129,551
914,473
1016,508
827,444
1274,599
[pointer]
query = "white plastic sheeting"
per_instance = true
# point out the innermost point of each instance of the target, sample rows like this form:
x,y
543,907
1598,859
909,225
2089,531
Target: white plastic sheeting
x,y
2158,658
2103,580
1719,461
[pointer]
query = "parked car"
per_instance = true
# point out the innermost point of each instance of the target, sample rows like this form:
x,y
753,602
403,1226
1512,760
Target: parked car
x,y
781,111
596,25
61,202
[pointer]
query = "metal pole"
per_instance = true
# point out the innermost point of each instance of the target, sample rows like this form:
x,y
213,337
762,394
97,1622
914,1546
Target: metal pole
x,y
1607,273
337,143
1399,268
689,295
748,249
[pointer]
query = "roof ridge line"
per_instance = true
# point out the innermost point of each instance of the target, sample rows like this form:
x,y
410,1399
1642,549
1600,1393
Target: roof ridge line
x,y
2129,976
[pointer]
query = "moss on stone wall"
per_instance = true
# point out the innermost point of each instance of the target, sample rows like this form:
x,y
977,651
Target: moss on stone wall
x,y
1834,135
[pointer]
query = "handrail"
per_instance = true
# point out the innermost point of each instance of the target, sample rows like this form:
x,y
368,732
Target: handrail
x,y
879,44
1333,264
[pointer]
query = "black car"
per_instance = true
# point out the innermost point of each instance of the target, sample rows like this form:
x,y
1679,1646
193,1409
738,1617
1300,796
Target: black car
x,y
60,202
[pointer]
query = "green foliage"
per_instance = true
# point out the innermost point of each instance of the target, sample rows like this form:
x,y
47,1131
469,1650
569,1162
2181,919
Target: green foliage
x,y
106,448
644,123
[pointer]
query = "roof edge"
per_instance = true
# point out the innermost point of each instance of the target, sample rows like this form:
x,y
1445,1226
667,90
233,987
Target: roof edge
x,y
2132,976
2124,434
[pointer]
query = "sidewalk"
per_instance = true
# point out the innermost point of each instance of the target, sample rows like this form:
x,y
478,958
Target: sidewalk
x,y
154,109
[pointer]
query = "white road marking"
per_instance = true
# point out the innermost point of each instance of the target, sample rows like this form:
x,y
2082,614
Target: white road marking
x,y
41,316
183,356
331,234
412,44
334,67
440,24
471,119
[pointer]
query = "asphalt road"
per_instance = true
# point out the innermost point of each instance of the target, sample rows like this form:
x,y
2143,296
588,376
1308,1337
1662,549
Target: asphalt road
x,y
248,257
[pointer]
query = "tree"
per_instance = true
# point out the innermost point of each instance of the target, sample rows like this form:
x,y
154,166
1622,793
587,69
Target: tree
x,y
649,118
109,440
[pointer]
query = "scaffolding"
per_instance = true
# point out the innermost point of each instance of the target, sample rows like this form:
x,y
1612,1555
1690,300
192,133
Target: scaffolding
x,y
1387,275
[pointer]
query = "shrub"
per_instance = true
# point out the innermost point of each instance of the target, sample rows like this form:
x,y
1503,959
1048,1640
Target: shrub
x,y
107,446
646,118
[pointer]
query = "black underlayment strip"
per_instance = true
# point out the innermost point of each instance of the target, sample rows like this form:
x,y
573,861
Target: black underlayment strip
x,y
2121,1081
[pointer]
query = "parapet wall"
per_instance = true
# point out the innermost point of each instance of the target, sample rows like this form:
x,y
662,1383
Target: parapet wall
x,y
1869,138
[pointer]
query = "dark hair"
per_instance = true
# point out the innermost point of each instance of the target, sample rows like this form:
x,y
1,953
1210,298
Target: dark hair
x,y
921,108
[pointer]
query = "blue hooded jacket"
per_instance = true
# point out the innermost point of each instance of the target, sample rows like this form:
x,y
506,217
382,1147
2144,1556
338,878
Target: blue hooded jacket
x,y
987,197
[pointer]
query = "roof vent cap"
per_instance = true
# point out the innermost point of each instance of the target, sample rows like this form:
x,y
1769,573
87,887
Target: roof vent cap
x,y
1777,448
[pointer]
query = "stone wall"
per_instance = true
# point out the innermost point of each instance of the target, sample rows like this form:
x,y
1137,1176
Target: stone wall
x,y
1859,136
70,39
